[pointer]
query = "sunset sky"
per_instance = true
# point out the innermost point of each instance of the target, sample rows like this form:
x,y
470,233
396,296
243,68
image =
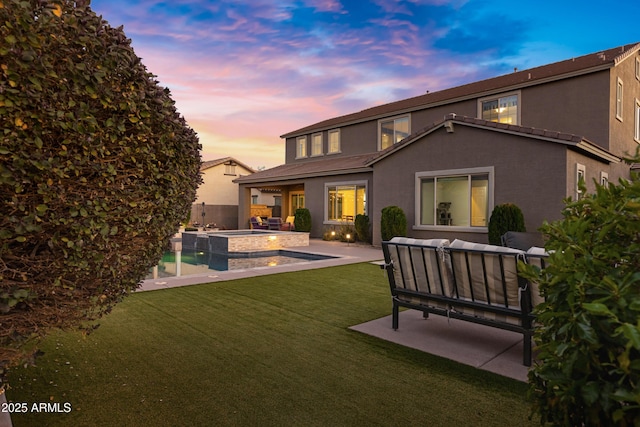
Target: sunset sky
x,y
244,72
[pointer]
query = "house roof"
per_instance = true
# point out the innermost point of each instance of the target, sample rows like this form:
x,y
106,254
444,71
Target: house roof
x,y
364,162
451,120
211,163
520,79
324,167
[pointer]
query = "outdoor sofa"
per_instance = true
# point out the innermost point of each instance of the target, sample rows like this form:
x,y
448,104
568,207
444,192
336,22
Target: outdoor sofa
x,y
463,280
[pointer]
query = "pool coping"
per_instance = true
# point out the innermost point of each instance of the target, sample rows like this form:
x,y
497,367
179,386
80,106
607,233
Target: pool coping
x,y
341,254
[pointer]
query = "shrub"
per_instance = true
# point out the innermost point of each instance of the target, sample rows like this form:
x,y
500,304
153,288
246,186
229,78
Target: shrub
x,y
97,169
362,228
393,223
588,333
302,220
505,217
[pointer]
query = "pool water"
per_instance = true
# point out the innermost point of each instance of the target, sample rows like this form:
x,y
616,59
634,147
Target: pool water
x,y
192,262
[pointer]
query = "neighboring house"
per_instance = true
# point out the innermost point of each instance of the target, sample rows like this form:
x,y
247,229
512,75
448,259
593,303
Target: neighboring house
x,y
219,193
448,157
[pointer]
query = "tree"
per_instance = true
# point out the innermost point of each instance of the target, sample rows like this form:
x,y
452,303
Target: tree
x,y
588,332
97,169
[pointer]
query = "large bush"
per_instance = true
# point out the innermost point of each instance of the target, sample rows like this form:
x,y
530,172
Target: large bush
x,y
588,334
302,220
97,169
505,217
393,223
363,228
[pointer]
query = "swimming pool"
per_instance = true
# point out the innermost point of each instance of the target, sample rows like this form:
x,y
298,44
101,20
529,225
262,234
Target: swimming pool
x,y
191,262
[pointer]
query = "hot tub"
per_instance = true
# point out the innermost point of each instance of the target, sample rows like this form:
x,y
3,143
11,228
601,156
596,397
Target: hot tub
x,y
240,242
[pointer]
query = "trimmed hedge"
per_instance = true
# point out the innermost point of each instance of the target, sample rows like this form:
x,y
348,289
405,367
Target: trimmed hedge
x,y
302,220
393,223
588,333
505,217
97,170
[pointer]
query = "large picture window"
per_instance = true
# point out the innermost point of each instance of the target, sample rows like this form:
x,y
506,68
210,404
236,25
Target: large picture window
x,y
454,198
345,201
393,131
503,109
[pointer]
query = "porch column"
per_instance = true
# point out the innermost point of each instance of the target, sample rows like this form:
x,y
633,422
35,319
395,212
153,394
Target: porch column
x,y
244,206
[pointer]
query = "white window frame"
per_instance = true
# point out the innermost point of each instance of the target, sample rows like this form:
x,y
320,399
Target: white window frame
x,y
636,132
301,147
637,68
619,98
489,170
297,195
497,97
604,178
315,138
230,169
329,148
393,119
356,184
581,171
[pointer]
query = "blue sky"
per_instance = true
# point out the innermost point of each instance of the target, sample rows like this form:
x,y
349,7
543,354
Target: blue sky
x,y
244,72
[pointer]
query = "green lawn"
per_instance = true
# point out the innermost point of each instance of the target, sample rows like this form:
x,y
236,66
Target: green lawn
x,y
267,351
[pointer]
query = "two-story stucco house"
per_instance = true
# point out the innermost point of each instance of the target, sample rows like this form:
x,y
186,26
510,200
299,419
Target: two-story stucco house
x,y
448,157
217,196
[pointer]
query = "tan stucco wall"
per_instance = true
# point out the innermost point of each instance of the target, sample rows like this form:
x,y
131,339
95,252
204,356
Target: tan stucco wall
x,y
218,188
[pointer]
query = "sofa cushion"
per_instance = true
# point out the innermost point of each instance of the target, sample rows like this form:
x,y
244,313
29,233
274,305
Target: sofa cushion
x,y
421,267
536,258
423,242
521,239
486,277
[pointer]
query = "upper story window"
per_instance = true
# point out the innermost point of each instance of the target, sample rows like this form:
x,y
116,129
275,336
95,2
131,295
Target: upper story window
x,y
301,147
619,95
501,109
392,131
581,173
230,168
334,141
316,144
638,68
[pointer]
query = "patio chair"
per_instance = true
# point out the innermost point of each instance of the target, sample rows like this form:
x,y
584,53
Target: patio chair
x,y
257,224
277,224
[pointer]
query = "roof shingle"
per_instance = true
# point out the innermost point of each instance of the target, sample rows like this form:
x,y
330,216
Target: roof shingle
x,y
557,70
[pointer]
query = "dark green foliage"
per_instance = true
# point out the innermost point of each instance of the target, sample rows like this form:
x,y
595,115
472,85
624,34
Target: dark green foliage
x,y
97,169
363,228
589,333
302,220
505,217
393,223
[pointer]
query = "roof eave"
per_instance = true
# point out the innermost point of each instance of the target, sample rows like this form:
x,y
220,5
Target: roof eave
x,y
303,175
